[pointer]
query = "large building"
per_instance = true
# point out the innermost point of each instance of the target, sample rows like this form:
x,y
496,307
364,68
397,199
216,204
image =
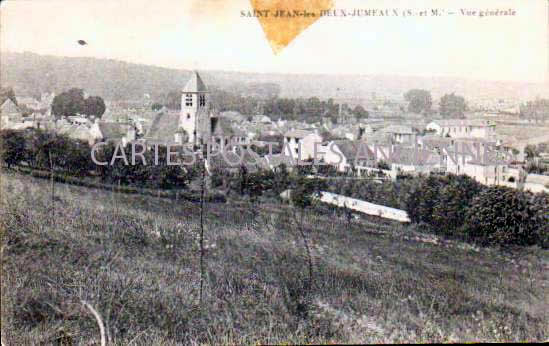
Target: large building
x,y
194,124
459,128
197,118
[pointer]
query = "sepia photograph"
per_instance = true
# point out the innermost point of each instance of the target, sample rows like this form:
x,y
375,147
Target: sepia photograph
x,y
274,172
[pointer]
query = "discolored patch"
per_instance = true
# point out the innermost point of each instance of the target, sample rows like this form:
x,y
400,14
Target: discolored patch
x,y
283,20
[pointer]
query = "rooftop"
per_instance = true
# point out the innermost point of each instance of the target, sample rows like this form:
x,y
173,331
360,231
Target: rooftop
x,y
195,84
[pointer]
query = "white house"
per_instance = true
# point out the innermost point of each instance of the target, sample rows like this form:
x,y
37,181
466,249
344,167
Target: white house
x,y
487,168
400,134
488,172
458,128
10,114
301,144
261,119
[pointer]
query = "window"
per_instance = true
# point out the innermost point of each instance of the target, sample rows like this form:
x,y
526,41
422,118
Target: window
x,y
188,100
202,100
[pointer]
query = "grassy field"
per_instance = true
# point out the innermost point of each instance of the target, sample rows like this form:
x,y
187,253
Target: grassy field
x,y
522,132
135,259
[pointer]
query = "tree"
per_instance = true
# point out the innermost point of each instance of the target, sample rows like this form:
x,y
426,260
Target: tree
x,y
419,101
537,110
94,105
156,106
505,216
68,103
454,198
12,147
452,106
72,102
531,151
305,190
360,113
8,93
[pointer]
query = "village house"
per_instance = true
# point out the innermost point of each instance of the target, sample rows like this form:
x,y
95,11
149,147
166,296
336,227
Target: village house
x,y
10,114
351,132
486,167
301,144
400,134
261,119
434,142
487,170
458,128
76,131
102,131
414,160
347,154
228,136
378,138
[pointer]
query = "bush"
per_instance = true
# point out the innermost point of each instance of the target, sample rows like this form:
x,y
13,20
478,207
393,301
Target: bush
x,y
454,198
12,147
504,216
305,190
442,201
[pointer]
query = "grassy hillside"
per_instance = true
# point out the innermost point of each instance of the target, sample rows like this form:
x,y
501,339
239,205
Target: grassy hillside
x,y
135,259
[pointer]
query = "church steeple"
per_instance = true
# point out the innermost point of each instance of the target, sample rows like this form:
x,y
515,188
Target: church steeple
x,y
194,118
195,84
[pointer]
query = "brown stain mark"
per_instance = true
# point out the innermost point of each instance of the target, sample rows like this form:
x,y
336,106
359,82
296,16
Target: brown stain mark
x,y
280,31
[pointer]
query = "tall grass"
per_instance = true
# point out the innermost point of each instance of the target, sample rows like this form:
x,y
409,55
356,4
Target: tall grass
x,y
135,259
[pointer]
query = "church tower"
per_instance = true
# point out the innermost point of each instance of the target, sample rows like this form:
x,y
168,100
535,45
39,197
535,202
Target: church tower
x,y
195,110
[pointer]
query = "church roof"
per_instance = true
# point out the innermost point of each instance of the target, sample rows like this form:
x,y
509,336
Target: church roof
x,y
163,128
195,84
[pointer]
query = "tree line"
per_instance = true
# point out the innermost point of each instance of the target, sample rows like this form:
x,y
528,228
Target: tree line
x,y
455,206
301,109
421,102
52,152
458,206
73,102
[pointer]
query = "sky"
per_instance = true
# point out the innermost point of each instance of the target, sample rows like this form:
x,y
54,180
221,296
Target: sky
x,y
212,35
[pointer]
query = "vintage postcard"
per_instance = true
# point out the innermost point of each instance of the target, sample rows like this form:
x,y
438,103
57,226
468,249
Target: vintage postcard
x,y
243,172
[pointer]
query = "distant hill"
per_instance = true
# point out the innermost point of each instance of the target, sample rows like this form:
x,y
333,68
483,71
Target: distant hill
x,y
30,74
